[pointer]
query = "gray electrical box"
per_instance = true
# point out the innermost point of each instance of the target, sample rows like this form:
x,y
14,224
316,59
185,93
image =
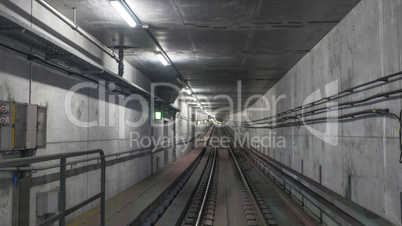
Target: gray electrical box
x,y
47,202
22,126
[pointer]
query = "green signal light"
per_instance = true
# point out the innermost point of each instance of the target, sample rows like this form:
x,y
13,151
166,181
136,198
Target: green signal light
x,y
158,115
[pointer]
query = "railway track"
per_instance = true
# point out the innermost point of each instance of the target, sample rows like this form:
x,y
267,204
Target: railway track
x,y
226,196
236,185
229,191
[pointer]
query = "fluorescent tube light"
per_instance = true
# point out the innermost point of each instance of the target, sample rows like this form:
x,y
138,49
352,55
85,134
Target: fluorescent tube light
x,y
162,59
188,91
123,13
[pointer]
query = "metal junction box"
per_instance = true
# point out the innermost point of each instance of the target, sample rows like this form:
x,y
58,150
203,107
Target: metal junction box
x,y
22,126
47,202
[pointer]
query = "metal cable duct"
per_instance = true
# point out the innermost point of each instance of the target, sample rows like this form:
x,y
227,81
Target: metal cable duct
x,y
77,28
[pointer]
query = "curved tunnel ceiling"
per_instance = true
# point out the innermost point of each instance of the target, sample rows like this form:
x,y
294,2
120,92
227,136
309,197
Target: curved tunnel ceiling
x,y
214,43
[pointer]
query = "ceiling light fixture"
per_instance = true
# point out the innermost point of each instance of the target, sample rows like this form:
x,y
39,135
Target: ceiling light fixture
x,y
163,60
188,91
124,12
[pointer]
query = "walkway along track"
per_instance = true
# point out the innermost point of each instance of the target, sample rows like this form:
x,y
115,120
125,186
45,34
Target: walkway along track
x,y
240,186
301,193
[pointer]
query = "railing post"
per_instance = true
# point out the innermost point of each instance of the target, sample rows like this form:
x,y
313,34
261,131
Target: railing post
x,y
62,210
174,156
62,220
103,181
321,220
152,162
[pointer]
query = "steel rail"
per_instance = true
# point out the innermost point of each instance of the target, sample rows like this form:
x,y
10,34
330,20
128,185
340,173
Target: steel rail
x,y
207,191
248,189
295,209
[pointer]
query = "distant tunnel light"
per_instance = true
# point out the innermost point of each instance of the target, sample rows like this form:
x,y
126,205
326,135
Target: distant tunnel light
x,y
123,13
162,59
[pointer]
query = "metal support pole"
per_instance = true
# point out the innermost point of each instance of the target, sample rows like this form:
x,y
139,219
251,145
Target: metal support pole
x,y
103,189
152,121
174,156
349,187
152,162
62,207
121,57
75,15
321,217
320,174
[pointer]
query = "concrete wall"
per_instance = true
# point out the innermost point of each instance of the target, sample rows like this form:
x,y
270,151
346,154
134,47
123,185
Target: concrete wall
x,y
28,81
21,80
187,127
364,46
184,129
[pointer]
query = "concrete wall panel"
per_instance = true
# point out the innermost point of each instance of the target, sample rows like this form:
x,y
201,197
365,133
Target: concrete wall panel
x,y
364,46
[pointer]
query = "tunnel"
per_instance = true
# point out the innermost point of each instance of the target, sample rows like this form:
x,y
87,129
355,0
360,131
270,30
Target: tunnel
x,y
185,112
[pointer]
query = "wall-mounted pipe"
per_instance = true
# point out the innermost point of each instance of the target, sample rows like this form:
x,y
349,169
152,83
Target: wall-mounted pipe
x,y
350,91
104,48
326,109
77,28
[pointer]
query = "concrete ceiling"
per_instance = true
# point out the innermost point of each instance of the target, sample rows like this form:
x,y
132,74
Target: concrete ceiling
x,y
214,43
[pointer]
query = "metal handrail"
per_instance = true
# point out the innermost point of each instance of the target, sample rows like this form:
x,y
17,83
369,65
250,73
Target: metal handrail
x,y
34,168
63,212
51,166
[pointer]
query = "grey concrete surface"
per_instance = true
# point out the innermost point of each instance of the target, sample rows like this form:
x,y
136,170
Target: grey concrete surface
x,y
49,88
27,81
364,46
